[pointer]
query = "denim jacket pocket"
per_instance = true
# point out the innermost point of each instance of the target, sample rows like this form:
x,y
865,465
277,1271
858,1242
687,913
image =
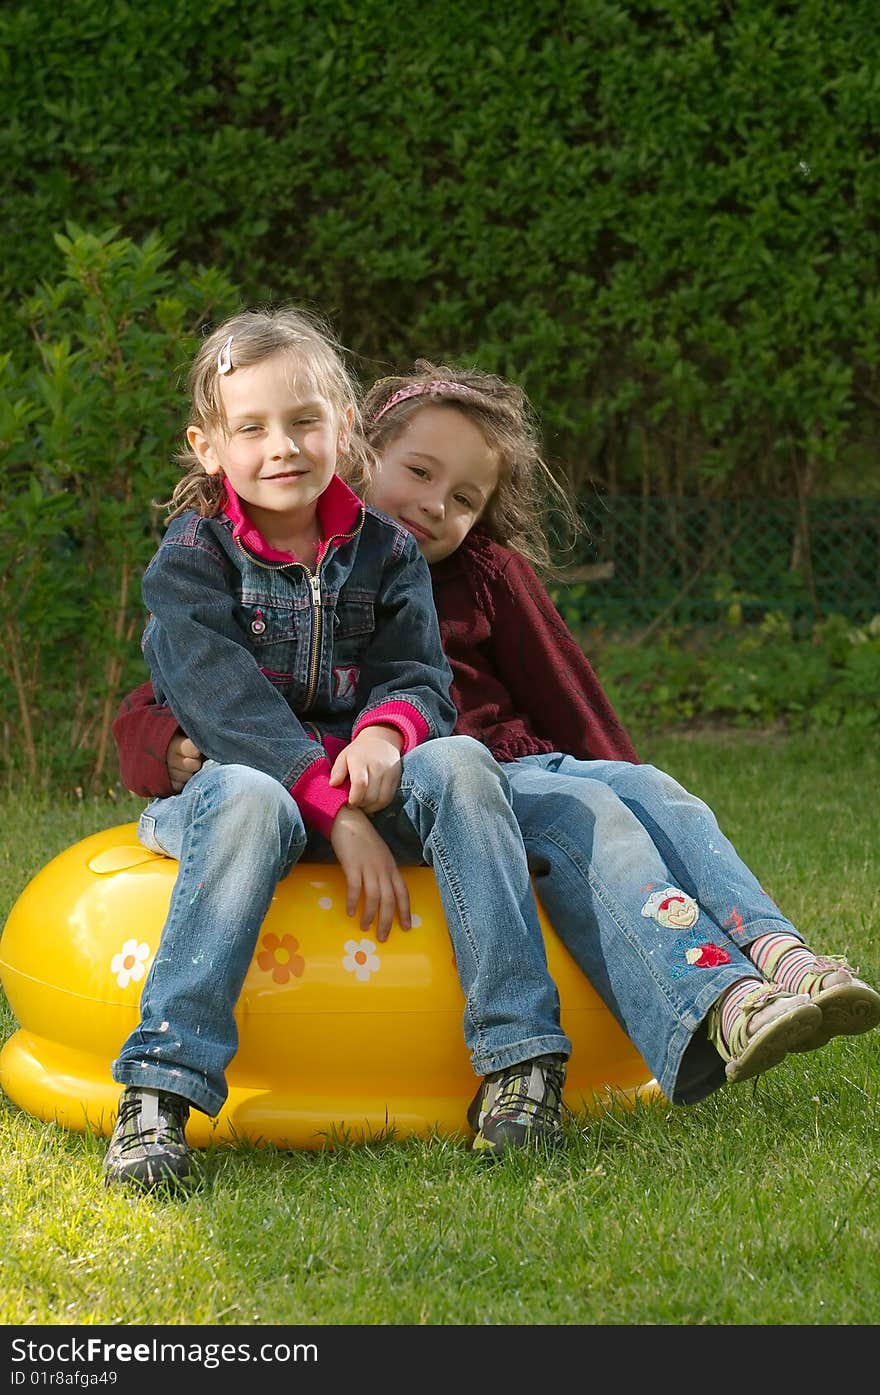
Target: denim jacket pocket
x,y
272,635
354,624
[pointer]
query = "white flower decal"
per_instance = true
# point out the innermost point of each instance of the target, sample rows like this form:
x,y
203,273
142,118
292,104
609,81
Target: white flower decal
x,y
128,964
361,959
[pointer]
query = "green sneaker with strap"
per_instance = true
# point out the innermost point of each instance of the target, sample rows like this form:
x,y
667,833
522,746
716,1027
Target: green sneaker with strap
x,y
519,1106
148,1146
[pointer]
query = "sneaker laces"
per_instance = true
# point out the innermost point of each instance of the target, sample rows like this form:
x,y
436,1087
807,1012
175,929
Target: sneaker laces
x,y
156,1119
532,1089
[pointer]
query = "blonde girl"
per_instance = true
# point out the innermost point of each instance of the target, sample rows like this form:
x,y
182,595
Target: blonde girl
x,y
292,633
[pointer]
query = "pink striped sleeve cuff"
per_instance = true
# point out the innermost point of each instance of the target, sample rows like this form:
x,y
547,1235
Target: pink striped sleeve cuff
x,y
318,801
402,716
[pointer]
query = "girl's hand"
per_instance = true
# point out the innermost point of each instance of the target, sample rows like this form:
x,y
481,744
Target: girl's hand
x,y
370,872
184,759
372,763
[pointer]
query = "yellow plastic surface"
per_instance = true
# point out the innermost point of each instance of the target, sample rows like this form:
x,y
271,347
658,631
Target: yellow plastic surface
x,y
339,1037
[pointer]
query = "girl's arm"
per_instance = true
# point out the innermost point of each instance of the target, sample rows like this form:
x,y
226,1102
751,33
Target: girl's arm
x,y
405,676
143,730
404,684
546,672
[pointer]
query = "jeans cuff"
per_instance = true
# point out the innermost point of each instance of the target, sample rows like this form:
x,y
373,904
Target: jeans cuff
x,y
171,1081
486,1063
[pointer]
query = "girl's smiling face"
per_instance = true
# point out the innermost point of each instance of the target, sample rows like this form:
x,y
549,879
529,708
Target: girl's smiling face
x,y
435,478
279,446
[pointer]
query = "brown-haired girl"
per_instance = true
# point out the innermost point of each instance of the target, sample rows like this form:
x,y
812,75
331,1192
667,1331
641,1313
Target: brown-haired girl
x,y
703,971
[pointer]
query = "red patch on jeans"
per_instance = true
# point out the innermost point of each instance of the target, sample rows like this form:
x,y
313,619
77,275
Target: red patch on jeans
x,y
707,956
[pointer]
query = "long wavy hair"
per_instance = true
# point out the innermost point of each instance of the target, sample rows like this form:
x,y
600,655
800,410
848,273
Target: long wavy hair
x,y
528,498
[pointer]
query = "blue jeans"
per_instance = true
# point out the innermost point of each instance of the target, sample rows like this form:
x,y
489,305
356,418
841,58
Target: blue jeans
x,y
236,832
651,900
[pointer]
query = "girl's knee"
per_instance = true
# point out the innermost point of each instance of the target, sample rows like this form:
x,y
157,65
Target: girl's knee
x,y
244,786
460,755
257,802
458,761
651,777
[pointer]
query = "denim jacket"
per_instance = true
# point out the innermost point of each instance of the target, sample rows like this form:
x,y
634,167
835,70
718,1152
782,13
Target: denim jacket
x,y
267,664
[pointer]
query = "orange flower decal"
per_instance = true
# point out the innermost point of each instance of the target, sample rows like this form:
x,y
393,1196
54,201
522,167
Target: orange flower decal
x,y
280,958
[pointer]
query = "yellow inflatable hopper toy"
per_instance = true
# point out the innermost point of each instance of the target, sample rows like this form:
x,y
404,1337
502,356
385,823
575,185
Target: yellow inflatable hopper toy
x,y
339,1037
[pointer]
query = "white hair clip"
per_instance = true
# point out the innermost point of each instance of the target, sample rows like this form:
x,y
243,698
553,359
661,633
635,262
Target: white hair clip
x,y
224,358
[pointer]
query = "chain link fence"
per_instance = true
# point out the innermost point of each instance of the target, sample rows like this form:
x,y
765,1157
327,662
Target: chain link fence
x,y
662,561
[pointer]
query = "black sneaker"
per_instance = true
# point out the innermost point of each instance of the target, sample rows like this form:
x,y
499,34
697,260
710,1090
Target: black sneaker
x,y
519,1106
148,1146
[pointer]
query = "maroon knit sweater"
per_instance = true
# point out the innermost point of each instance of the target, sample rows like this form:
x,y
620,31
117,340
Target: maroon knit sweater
x,y
521,682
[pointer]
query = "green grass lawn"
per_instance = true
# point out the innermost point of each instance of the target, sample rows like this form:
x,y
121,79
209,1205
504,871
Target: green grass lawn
x,y
757,1206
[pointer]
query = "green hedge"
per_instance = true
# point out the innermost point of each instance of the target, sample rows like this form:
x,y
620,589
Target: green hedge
x,y
90,422
661,218
759,676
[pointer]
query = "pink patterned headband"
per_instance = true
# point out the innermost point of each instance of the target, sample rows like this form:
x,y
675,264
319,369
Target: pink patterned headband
x,y
439,388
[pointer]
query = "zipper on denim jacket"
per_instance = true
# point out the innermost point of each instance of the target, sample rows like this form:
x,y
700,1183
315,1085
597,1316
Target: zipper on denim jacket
x,y
316,635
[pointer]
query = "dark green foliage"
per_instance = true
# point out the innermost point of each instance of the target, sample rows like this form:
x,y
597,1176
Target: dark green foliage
x,y
660,217
684,561
757,676
91,419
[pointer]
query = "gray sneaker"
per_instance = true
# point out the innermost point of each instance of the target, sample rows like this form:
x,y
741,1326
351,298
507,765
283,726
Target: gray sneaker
x,y
148,1146
519,1106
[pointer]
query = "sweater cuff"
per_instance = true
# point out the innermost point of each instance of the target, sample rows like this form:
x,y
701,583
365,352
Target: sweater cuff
x,y
402,716
142,750
319,802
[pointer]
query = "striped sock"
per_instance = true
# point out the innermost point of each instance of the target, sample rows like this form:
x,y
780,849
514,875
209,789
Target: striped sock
x,y
731,1004
784,960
